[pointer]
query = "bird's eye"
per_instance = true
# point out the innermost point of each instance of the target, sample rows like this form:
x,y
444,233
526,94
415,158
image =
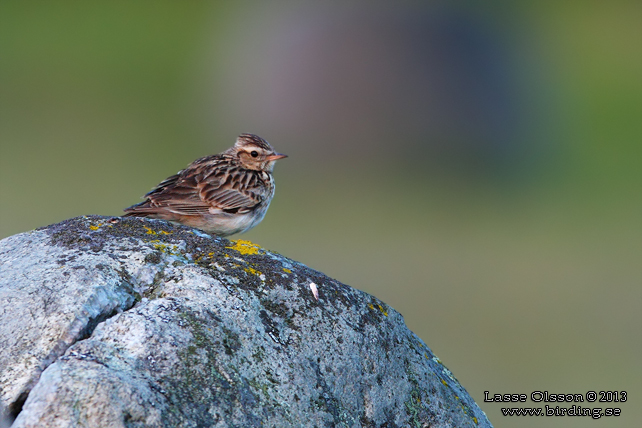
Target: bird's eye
x,y
254,153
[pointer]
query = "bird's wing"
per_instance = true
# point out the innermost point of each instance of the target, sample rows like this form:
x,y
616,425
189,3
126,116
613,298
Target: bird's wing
x,y
234,190
205,186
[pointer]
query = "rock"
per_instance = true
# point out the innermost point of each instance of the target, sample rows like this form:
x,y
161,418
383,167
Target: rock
x,y
128,322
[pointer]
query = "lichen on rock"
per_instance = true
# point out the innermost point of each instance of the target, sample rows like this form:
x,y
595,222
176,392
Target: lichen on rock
x,y
142,323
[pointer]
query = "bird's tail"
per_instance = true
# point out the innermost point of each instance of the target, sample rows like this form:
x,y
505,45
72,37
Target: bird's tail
x,y
142,209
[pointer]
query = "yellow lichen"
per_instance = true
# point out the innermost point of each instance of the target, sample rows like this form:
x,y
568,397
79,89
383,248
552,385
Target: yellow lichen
x,y
287,270
162,232
475,419
94,227
149,230
252,271
166,248
383,311
245,247
444,382
370,306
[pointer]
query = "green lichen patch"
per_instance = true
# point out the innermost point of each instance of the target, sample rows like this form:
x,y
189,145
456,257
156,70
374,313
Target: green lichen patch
x,y
417,410
204,381
231,341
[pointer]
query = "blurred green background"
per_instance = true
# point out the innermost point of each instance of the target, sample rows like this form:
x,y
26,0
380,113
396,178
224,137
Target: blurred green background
x,y
476,165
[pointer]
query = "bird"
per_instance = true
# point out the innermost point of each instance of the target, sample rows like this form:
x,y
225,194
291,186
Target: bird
x,y
221,194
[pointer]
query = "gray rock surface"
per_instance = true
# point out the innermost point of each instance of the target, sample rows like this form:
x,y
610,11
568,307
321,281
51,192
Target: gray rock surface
x,y
114,322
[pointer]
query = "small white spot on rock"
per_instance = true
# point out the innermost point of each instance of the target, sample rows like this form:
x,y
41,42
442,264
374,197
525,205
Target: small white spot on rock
x,y
315,292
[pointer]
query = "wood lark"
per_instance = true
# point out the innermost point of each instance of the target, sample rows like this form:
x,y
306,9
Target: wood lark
x,y
221,194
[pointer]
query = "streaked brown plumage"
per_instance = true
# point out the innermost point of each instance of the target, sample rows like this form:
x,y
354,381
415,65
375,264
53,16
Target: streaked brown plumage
x,y
221,194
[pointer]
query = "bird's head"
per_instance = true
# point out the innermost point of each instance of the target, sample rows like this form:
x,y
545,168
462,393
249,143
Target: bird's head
x,y
255,153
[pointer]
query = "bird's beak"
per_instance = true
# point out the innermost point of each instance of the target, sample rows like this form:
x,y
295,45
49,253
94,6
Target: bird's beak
x,y
276,156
